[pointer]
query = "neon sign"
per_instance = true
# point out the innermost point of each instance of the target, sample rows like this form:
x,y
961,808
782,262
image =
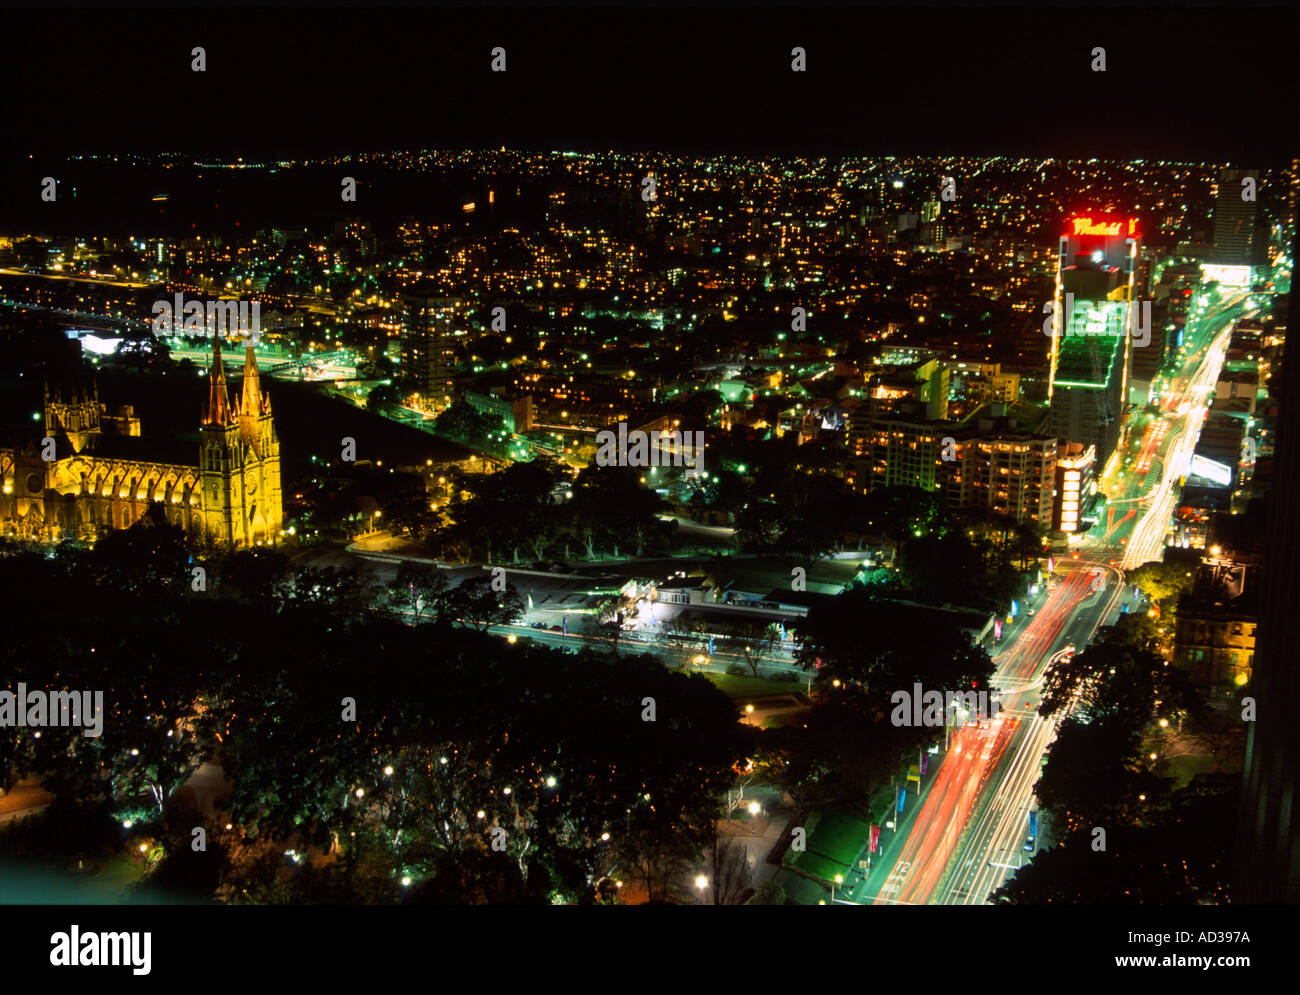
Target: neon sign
x,y
1086,226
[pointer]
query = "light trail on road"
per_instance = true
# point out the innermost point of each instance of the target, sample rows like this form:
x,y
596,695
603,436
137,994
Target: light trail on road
x,y
974,752
986,847
952,858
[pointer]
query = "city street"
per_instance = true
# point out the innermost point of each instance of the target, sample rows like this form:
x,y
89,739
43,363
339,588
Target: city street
x,y
968,835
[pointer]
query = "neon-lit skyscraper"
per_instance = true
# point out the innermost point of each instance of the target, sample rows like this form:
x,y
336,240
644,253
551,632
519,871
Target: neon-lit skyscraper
x,y
1091,325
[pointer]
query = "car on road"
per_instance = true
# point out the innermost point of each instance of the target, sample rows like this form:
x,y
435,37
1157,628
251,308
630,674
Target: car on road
x,y
538,625
556,628
1031,838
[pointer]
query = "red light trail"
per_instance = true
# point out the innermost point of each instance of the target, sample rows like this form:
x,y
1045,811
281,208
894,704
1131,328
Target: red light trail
x,y
974,753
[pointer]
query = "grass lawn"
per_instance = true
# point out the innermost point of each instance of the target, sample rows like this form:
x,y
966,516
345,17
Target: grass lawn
x,y
834,842
752,687
1187,766
46,884
117,873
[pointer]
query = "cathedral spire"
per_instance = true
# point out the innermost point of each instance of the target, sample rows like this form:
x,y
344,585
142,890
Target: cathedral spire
x,y
254,403
218,412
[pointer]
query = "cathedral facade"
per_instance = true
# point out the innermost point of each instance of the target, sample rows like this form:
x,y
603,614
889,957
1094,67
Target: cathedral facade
x,y
93,471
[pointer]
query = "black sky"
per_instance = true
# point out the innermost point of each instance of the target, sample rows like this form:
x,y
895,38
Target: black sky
x,y
1199,83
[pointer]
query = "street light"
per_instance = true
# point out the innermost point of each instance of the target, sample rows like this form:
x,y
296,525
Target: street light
x,y
839,879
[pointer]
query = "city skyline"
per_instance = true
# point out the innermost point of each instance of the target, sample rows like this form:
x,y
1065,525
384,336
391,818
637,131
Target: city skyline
x,y
727,456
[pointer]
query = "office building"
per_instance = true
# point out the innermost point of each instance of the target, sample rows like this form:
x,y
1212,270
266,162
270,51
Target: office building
x,y
988,462
1076,469
1235,219
430,323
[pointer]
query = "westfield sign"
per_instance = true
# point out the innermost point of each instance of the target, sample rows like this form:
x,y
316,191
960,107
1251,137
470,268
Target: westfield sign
x,y
1086,226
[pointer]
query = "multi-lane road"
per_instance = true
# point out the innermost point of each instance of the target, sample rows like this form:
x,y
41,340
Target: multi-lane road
x,y
970,826
1142,488
968,833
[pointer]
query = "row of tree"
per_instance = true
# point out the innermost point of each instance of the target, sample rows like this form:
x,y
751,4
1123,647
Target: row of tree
x,y
367,726
846,747
533,510
377,750
1125,831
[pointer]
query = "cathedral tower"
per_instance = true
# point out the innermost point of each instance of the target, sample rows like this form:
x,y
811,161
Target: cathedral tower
x,y
261,457
73,407
239,460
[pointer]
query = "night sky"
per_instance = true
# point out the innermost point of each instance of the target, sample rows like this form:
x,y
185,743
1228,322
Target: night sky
x,y
1198,83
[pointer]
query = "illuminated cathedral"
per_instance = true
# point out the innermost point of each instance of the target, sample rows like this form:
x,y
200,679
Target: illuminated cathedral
x,y
94,471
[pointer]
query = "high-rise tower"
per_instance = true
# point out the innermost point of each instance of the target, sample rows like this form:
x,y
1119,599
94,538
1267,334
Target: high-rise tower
x,y
429,324
1091,325
1236,218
